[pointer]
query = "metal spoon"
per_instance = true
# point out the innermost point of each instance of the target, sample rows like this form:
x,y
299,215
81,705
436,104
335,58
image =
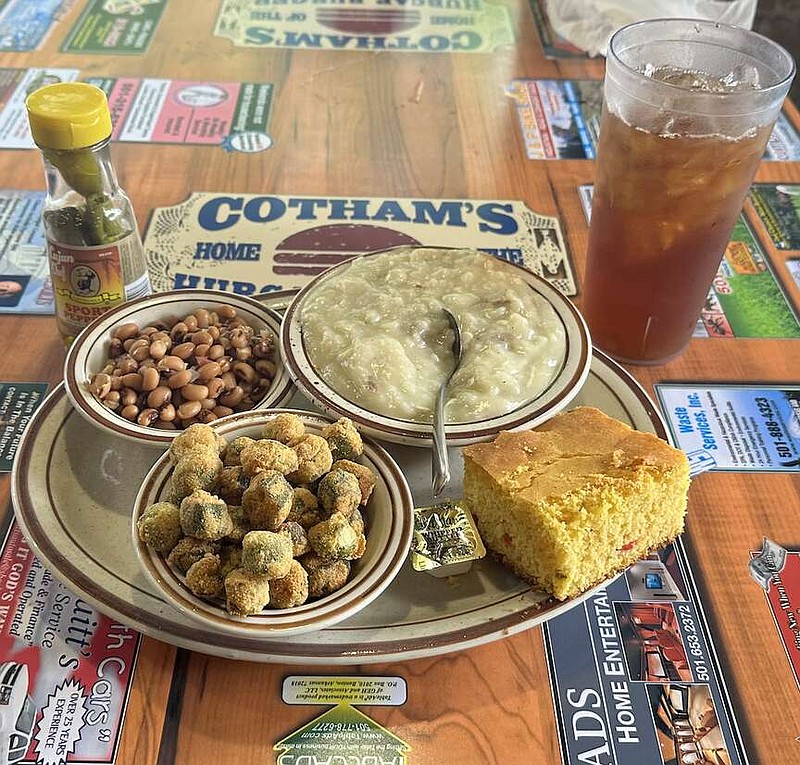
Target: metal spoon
x,y
440,465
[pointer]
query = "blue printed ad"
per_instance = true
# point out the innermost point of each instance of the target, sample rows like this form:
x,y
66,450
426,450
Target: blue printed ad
x,y
741,428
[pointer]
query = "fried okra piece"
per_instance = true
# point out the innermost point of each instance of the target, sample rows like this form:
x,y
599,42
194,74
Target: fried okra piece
x,y
297,536
196,438
198,470
344,440
267,501
205,516
205,579
240,525
290,590
286,428
233,451
314,459
334,538
339,492
190,550
366,478
267,553
268,455
324,576
231,483
357,522
245,593
230,557
159,526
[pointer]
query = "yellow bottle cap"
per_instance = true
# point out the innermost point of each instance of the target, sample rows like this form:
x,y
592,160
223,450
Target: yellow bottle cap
x,y
68,115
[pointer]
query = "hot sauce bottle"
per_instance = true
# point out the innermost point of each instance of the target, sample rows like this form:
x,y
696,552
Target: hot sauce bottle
x,y
95,252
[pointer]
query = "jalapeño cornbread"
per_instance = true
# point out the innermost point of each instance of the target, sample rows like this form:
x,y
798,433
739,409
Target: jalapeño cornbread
x,y
580,498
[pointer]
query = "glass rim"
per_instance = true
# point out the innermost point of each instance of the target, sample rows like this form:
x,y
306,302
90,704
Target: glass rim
x,y
732,95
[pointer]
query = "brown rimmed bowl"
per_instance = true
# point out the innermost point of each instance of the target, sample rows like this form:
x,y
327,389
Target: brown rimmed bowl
x,y
389,520
561,390
88,354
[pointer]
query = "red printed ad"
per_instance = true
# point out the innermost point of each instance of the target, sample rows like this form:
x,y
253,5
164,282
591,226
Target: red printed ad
x,y
234,115
777,570
65,669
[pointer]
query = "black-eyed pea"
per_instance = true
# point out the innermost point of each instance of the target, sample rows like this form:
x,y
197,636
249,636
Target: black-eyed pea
x,y
213,318
194,392
201,350
179,379
127,331
158,349
112,399
214,332
266,368
149,330
115,348
171,364
130,412
244,372
202,337
205,416
208,403
191,323
226,312
139,342
150,379
140,353
222,411
127,365
232,398
183,350
100,385
167,413
178,330
208,371
116,382
228,380
159,397
188,410
147,417
215,352
128,396
215,387
243,354
132,380
201,314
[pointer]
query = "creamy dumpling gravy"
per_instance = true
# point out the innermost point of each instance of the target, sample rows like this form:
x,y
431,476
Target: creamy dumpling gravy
x,y
376,333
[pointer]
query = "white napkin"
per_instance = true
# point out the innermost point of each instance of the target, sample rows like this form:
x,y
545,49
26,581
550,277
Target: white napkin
x,y
589,24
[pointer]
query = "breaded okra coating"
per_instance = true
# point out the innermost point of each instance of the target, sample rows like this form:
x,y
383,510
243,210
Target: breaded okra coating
x,y
290,590
159,526
285,427
344,440
246,593
267,501
268,455
267,553
205,516
339,492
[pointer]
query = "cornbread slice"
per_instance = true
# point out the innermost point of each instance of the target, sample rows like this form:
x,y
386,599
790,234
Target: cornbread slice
x,y
577,500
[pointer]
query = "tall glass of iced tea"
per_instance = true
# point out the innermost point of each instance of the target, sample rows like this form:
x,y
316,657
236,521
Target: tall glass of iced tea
x,y
688,108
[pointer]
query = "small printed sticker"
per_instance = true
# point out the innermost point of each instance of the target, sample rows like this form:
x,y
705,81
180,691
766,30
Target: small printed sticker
x,y
325,689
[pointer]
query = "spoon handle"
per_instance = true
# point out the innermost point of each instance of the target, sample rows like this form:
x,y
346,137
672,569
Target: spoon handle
x,y
440,466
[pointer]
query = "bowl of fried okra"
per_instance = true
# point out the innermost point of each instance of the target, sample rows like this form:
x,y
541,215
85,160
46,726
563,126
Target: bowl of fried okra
x,y
272,522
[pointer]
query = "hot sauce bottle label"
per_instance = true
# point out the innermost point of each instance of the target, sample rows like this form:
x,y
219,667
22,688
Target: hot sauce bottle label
x,y
87,281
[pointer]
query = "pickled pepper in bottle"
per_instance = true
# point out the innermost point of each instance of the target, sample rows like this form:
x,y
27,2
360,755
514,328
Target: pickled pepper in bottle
x,y
96,256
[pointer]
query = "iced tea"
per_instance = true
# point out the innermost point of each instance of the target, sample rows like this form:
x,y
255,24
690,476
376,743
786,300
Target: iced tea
x,y
678,149
662,214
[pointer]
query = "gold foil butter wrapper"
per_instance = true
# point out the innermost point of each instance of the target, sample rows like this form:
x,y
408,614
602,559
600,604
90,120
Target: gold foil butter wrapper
x,y
446,540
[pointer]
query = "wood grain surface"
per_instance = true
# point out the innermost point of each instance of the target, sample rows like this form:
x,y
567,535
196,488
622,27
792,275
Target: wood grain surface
x,y
428,125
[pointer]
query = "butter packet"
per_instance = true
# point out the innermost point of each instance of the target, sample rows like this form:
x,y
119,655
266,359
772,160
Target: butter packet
x,y
446,540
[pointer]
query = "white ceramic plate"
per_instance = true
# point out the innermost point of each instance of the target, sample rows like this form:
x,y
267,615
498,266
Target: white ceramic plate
x,y
88,354
73,486
389,516
553,399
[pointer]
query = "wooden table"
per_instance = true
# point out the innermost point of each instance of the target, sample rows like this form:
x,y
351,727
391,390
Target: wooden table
x,y
424,125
